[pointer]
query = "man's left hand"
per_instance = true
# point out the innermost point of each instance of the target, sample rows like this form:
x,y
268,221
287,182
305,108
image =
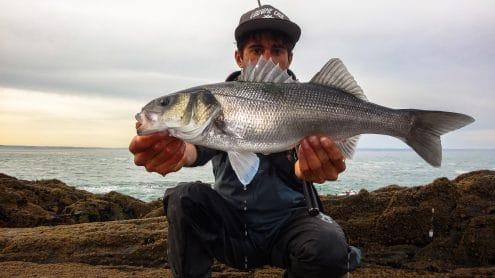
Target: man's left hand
x,y
319,159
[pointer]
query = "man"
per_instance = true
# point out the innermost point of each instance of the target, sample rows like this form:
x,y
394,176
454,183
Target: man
x,y
267,221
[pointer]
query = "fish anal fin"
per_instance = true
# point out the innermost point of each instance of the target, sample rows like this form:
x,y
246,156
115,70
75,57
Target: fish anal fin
x,y
348,146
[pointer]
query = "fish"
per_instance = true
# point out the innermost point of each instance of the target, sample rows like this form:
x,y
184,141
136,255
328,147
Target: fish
x,y
267,111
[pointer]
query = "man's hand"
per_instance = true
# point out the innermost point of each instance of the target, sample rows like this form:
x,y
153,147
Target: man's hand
x,y
319,159
161,153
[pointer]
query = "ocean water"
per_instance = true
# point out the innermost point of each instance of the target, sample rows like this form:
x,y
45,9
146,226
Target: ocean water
x,y
101,170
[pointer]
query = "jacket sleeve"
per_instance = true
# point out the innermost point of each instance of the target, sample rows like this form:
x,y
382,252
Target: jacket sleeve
x,y
204,155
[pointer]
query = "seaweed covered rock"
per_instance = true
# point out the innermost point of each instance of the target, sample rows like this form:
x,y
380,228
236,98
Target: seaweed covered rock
x,y
52,202
444,226
138,242
432,227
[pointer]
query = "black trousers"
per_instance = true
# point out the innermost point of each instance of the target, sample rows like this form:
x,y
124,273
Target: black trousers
x,y
203,226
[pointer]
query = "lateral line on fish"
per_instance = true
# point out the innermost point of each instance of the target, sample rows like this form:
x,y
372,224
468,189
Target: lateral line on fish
x,y
246,98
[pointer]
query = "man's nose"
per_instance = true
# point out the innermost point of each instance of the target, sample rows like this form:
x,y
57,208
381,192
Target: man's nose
x,y
267,54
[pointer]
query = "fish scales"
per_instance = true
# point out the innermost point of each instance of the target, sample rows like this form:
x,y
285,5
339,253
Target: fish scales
x,y
273,117
246,117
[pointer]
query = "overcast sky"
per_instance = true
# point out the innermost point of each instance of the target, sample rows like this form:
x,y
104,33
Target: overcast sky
x,y
74,73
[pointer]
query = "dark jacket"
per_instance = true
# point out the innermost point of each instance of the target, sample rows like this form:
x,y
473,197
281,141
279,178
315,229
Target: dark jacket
x,y
269,200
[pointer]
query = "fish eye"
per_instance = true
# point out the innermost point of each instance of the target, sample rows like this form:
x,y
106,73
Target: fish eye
x,y
164,101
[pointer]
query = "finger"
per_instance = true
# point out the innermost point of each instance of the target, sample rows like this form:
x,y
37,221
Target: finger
x,y
144,142
333,153
167,152
299,150
330,171
318,149
297,170
313,161
141,158
303,174
302,163
174,163
179,165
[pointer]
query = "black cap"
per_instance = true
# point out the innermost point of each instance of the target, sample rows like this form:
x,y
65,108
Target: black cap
x,y
267,17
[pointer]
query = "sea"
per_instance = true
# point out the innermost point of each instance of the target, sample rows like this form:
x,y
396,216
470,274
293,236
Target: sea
x,y
101,170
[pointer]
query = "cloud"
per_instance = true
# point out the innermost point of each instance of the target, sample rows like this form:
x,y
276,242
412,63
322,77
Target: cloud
x,y
427,55
104,82
43,119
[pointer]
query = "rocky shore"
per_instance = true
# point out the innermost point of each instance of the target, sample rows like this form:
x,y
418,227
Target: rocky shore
x,y
442,229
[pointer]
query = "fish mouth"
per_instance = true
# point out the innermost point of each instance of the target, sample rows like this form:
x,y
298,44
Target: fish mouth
x,y
146,117
148,123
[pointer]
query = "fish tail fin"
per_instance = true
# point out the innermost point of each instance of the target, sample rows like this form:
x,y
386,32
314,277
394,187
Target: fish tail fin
x,y
427,127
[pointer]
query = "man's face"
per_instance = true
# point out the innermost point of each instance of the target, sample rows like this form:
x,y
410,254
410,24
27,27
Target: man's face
x,y
264,45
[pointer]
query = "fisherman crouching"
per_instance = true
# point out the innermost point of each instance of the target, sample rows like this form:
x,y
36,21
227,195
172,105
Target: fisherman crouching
x,y
266,222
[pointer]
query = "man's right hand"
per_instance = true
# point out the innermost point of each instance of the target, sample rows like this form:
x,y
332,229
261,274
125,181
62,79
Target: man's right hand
x,y
160,153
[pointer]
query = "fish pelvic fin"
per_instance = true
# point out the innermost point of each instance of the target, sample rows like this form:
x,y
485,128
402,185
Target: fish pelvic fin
x,y
335,74
245,165
265,71
427,127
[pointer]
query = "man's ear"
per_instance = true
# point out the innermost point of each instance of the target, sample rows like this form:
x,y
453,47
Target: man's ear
x,y
290,58
238,59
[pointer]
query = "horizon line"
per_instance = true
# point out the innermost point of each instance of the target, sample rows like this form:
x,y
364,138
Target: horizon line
x,y
358,148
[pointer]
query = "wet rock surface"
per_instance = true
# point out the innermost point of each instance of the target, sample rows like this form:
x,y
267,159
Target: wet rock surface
x,y
392,225
52,202
437,227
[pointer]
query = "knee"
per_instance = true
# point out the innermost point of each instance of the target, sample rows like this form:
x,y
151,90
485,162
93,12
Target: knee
x,y
331,249
326,255
182,198
192,190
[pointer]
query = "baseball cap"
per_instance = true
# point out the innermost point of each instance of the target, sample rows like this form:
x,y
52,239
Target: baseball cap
x,y
267,17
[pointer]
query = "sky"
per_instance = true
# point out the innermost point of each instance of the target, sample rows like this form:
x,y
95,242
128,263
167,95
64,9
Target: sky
x,y
74,73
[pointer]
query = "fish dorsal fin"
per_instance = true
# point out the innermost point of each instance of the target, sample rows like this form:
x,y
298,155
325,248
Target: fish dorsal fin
x,y
265,71
245,165
335,74
348,146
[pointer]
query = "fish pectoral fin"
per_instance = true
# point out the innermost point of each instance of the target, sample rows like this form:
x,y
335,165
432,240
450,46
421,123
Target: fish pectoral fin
x,y
348,146
223,128
245,165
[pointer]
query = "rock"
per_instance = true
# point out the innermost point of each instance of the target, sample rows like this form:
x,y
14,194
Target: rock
x,y
393,256
392,225
52,202
155,213
140,242
477,243
460,214
403,225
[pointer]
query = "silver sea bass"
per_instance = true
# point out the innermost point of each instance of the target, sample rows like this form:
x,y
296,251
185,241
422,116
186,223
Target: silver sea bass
x,y
266,112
